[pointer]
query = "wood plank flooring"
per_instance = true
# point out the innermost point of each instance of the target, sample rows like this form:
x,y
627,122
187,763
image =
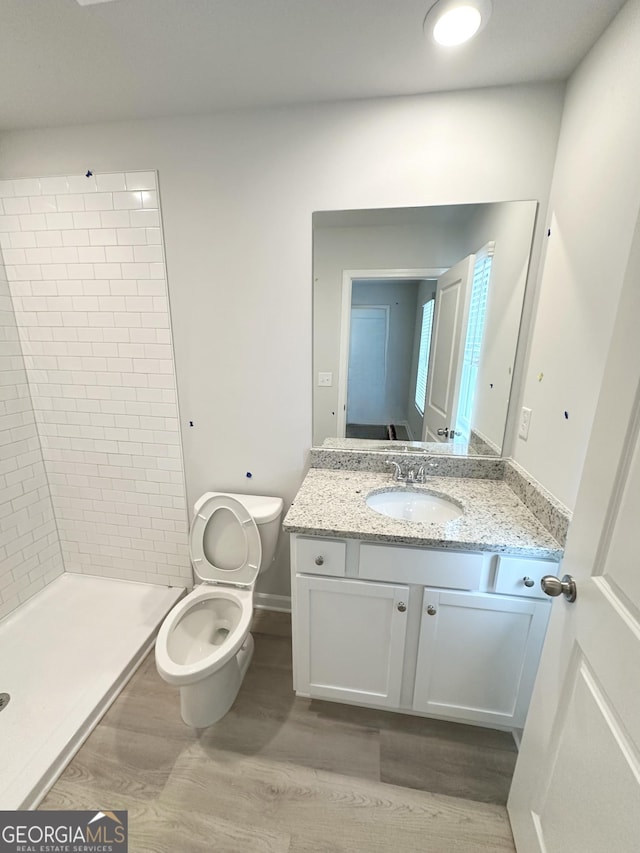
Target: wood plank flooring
x,y
281,774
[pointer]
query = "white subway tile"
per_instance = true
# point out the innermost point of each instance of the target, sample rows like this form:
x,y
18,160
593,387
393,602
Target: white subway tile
x,y
108,271
48,238
98,201
70,203
54,186
136,270
77,237
132,236
81,183
87,219
35,256
103,237
141,180
80,271
119,254
115,219
111,182
64,255
42,204
21,240
149,200
60,221
128,200
91,255
27,187
148,254
16,205
145,219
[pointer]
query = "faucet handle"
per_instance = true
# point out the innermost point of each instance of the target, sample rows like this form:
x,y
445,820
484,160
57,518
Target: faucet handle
x,y
397,472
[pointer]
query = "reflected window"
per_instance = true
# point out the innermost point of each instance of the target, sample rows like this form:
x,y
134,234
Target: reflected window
x,y
423,355
475,329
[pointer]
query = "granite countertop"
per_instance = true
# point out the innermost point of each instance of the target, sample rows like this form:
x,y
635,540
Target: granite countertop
x,y
332,503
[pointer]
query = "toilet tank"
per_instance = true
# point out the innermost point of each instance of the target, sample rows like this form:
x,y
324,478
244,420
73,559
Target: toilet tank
x,y
266,512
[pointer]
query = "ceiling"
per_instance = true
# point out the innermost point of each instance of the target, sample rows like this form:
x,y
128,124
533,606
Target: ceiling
x,y
62,63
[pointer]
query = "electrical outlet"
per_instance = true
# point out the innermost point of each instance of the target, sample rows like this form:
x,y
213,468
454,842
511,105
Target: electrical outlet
x,y
325,380
525,420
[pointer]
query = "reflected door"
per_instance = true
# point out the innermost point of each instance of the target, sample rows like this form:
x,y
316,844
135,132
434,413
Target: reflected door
x,y
367,381
451,312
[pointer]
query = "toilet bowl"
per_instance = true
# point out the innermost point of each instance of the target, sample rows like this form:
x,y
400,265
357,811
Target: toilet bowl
x,y
204,646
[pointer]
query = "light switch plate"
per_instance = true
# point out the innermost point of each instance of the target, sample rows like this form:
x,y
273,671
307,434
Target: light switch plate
x,y
525,420
325,380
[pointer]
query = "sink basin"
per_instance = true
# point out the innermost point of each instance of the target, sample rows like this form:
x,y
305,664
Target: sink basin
x,y
413,506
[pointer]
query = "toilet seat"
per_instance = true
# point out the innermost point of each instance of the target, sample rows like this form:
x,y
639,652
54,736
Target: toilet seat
x,y
245,573
182,673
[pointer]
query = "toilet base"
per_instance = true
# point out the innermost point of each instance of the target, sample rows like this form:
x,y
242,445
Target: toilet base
x,y
205,702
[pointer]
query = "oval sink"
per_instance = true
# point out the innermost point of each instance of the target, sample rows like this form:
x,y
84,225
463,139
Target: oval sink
x,y
413,506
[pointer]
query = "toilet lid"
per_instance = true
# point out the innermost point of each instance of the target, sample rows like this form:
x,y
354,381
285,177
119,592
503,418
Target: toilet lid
x,y
238,538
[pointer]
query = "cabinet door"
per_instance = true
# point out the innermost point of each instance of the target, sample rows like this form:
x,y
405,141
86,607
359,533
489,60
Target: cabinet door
x,y
349,641
478,655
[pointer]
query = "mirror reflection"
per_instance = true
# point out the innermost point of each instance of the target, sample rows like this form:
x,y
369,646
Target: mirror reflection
x,y
416,320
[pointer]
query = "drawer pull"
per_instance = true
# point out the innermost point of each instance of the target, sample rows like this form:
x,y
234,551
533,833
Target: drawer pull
x,y
431,610
319,561
528,582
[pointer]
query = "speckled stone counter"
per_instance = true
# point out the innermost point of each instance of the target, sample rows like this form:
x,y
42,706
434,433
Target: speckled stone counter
x,y
332,503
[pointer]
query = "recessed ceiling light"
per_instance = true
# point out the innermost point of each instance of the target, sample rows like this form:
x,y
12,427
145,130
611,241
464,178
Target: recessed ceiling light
x,y
452,22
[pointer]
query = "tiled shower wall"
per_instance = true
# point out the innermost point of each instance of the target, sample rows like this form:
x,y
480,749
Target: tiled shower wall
x,y
84,260
30,554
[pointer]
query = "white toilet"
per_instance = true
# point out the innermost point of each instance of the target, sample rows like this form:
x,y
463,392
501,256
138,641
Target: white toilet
x,y
204,646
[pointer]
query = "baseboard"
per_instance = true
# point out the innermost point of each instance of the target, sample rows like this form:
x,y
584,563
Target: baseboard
x,y
268,601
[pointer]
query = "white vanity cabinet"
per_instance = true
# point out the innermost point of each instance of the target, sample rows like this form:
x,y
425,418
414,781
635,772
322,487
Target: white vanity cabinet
x,y
478,655
353,648
454,635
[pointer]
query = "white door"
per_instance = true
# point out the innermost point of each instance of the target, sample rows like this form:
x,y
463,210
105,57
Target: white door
x,y
453,292
350,638
368,343
576,787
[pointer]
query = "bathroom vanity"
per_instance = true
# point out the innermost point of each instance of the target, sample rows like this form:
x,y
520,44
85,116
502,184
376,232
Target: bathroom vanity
x,y
435,619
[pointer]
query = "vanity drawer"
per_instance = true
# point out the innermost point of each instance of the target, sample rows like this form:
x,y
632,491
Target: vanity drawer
x,y
320,556
424,566
514,576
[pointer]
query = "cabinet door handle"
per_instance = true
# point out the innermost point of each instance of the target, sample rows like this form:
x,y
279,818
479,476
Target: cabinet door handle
x,y
431,610
402,606
528,582
319,561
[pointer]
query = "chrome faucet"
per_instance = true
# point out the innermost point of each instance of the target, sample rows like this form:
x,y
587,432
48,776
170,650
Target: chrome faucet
x,y
407,473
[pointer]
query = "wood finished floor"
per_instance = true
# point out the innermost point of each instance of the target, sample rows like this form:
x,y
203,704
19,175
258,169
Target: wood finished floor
x,y
280,774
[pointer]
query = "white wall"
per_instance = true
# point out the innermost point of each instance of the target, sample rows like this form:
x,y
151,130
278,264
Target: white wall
x,y
593,210
30,555
238,192
85,267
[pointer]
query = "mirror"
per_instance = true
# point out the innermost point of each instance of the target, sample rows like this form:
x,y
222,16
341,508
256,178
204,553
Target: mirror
x,y
416,316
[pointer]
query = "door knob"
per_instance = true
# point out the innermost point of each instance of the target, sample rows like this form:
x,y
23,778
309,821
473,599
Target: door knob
x,y
444,431
402,606
551,585
431,610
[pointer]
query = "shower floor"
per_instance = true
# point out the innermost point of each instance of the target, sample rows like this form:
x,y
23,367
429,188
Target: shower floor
x,y
64,657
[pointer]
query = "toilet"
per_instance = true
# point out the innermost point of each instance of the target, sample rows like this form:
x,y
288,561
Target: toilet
x,y
204,646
